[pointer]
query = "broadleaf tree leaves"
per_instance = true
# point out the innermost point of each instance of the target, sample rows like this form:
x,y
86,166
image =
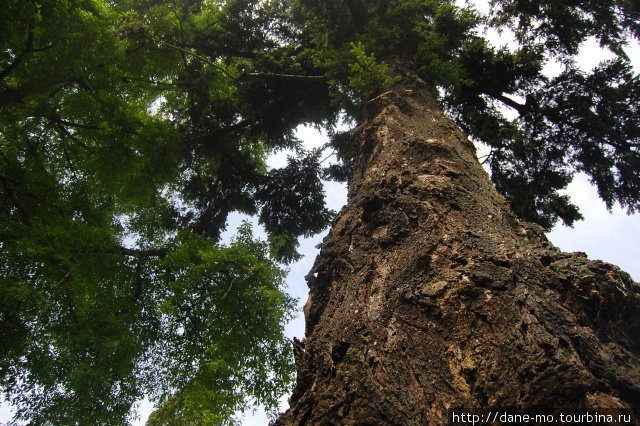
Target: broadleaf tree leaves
x,y
223,316
93,168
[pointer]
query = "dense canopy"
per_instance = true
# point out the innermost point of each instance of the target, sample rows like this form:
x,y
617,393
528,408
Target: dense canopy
x,y
131,129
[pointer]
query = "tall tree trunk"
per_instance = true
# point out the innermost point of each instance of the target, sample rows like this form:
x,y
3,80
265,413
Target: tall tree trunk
x,y
428,294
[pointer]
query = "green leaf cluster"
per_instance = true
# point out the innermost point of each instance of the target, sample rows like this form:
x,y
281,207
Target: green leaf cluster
x,y
368,76
223,318
122,151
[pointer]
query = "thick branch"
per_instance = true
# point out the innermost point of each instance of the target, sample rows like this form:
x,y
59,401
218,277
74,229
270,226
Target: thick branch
x,y
18,60
11,96
119,250
219,132
508,102
554,116
72,124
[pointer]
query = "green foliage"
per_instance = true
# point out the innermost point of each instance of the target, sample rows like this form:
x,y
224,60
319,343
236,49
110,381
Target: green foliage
x,y
223,315
443,43
368,76
131,129
342,146
288,190
121,155
563,26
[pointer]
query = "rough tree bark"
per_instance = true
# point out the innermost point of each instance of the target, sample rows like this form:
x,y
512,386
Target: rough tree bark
x,y
428,294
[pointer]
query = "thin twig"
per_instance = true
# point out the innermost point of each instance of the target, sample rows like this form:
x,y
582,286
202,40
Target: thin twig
x,y
285,76
244,74
229,289
199,57
328,156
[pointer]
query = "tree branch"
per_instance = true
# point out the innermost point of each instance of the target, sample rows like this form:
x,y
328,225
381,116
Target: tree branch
x,y
199,57
11,95
285,76
160,252
38,321
224,296
62,130
554,116
508,101
237,126
245,74
119,250
18,60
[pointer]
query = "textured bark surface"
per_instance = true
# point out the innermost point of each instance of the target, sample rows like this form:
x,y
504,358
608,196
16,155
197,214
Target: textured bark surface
x,y
428,294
